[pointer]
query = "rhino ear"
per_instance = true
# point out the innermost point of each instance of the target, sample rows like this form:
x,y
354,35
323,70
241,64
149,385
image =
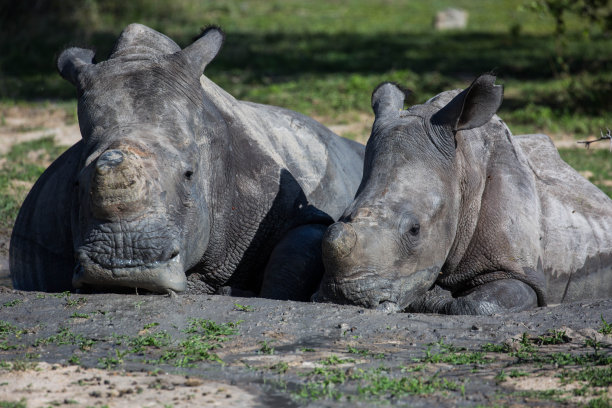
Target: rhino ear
x,y
72,60
388,99
203,50
474,106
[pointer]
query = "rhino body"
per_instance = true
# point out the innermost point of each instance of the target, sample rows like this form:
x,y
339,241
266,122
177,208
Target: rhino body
x,y
177,186
456,215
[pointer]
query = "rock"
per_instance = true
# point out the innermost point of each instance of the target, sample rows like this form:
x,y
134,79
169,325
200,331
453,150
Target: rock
x,y
451,19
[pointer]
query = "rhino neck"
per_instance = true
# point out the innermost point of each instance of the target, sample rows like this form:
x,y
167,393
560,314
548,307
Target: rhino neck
x,y
499,210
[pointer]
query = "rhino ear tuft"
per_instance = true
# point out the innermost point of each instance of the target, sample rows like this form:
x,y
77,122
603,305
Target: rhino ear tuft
x,y
72,60
474,106
204,49
388,98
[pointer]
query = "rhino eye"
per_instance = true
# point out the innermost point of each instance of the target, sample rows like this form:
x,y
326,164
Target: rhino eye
x,y
414,230
188,174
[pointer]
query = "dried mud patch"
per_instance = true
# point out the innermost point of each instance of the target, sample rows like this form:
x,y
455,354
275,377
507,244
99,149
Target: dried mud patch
x,y
57,385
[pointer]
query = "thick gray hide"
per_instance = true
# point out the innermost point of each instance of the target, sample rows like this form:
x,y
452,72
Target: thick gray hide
x,y
456,215
176,185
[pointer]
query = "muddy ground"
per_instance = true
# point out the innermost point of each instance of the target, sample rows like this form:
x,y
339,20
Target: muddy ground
x,y
130,350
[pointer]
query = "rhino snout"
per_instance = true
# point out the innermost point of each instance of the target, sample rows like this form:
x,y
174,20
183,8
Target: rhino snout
x,y
339,240
118,185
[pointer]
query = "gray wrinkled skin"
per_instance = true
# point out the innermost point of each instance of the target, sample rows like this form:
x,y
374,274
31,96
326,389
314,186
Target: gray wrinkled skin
x,y
177,186
456,215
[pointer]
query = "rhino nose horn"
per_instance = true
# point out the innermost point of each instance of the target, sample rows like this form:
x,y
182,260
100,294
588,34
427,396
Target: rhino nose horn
x,y
118,184
109,160
339,240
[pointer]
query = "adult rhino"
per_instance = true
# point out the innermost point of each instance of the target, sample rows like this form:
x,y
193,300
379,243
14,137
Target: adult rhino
x,y
177,186
451,201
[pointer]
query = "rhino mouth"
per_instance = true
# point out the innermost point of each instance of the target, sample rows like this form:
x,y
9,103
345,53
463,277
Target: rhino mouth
x,y
362,288
156,277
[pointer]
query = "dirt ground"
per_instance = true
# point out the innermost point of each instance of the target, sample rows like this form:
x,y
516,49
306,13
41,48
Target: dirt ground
x,y
79,350
96,350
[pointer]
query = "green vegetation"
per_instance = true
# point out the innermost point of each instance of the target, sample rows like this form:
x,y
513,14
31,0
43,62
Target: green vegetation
x,y
266,348
12,404
447,353
243,308
595,164
370,384
19,169
606,328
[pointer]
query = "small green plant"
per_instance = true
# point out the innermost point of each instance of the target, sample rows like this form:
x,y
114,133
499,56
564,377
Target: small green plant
x,y
516,374
553,337
606,328
501,376
110,362
12,303
265,347
22,403
74,360
495,348
243,308
77,315
280,367
80,301
307,349
334,360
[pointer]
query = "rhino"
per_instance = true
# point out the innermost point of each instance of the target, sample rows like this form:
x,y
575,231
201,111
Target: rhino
x,y
456,215
176,186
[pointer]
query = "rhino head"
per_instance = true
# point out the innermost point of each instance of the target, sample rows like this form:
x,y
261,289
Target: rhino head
x,y
141,199
392,242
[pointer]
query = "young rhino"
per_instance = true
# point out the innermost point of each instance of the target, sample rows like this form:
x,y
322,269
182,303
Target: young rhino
x,y
456,215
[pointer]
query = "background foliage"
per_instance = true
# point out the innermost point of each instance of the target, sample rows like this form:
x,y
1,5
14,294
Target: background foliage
x,y
324,57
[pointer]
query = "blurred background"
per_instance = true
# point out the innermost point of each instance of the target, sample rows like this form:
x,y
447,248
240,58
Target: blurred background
x,y
323,58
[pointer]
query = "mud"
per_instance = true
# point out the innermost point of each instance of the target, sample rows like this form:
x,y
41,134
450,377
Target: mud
x,y
286,354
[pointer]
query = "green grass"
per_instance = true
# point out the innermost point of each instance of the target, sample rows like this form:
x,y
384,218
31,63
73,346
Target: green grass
x,y
22,166
325,58
14,404
597,162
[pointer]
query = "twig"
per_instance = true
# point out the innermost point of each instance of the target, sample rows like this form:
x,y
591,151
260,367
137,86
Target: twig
x,y
607,136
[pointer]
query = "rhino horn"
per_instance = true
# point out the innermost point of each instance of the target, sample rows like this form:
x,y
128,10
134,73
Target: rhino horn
x,y
137,39
118,187
474,106
388,98
203,50
72,61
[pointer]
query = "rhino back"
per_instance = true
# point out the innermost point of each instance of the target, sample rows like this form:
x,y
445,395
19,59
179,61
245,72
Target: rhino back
x,y
42,240
576,225
327,167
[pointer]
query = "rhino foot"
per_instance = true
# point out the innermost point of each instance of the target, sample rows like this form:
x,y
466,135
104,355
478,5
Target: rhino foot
x,y
508,295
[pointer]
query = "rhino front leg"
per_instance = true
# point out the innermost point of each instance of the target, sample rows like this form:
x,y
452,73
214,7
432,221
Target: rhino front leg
x,y
508,295
295,267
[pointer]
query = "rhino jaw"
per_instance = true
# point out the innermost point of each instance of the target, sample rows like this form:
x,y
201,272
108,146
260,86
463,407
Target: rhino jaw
x,y
157,277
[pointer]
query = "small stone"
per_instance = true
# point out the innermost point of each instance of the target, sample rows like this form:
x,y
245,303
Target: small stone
x,y
95,394
476,328
193,382
451,19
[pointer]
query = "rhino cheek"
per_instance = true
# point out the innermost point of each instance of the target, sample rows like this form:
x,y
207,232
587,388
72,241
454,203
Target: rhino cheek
x,y
415,285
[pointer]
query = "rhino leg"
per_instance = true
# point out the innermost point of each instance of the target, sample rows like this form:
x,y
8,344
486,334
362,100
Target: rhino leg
x,y
295,267
508,295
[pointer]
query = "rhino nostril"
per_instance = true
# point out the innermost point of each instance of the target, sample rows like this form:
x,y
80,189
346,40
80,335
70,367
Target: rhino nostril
x,y
339,240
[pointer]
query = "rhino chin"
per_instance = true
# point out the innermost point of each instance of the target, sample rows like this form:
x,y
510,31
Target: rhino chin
x,y
158,277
